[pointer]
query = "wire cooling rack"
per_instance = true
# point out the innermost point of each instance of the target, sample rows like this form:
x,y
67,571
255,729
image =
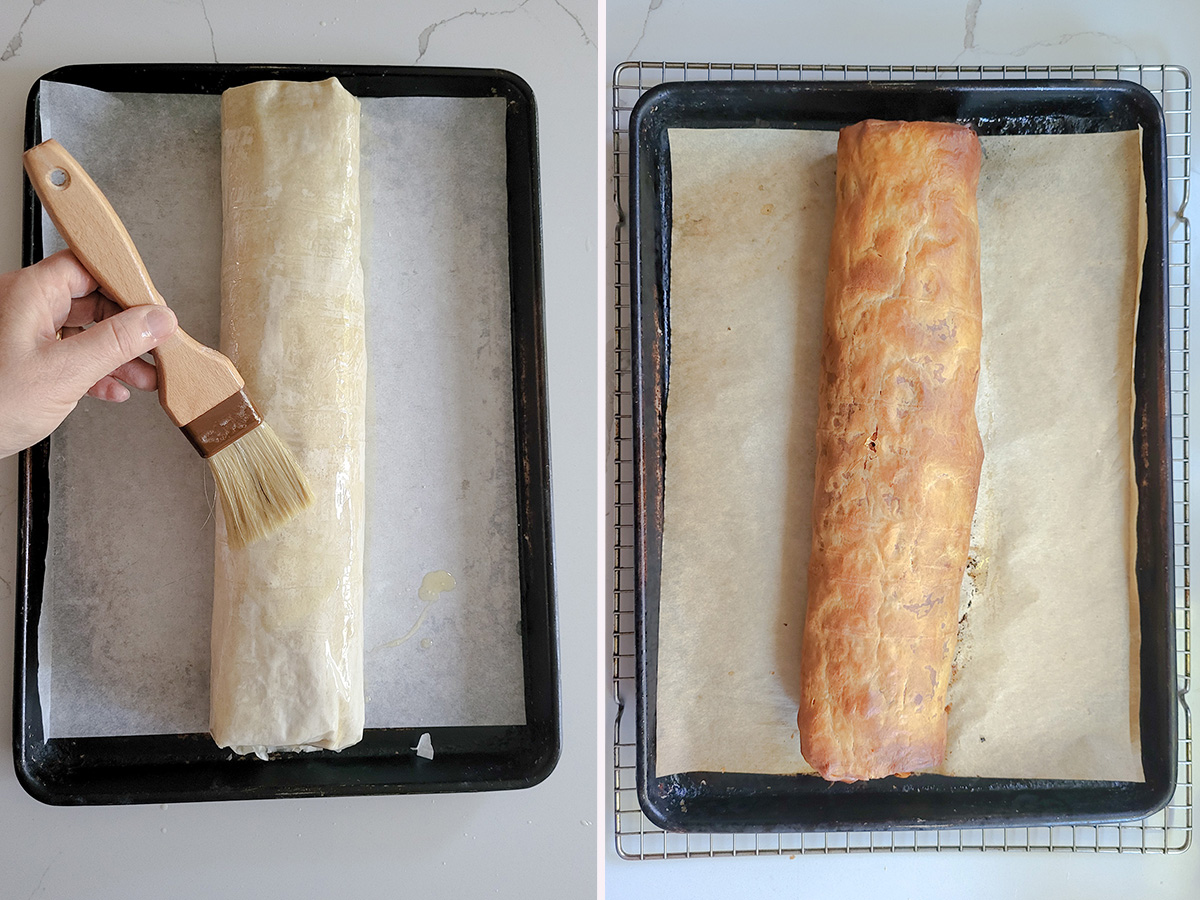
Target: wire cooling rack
x,y
1169,831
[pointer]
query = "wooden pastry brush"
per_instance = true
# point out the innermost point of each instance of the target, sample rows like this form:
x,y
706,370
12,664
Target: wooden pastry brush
x,y
260,484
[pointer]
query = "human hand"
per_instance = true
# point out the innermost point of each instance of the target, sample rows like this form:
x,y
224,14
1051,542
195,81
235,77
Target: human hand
x,y
42,378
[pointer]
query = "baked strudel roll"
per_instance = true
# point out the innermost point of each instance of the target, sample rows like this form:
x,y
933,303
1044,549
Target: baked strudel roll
x,y
898,450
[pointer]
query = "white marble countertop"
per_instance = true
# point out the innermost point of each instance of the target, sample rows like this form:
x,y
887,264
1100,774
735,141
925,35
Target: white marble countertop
x,y
540,842
974,32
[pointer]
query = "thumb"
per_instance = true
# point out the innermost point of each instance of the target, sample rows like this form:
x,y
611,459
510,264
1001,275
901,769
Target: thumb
x,y
88,356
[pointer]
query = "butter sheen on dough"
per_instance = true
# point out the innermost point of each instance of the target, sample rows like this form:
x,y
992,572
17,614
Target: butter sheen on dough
x,y
287,613
898,450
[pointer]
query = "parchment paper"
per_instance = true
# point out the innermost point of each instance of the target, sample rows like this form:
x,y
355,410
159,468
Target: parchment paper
x,y
124,633
1046,675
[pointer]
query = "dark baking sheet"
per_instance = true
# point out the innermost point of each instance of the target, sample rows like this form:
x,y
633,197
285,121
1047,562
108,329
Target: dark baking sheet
x,y
730,801
174,768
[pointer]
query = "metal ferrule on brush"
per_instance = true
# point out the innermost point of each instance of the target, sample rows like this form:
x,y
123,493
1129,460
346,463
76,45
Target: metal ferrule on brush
x,y
231,419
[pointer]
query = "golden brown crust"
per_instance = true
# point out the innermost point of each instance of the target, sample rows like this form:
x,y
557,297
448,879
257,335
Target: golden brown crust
x,y
898,450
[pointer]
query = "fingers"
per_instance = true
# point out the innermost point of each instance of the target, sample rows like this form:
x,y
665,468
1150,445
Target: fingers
x,y
108,388
137,373
86,358
56,280
35,300
92,307
62,269
95,307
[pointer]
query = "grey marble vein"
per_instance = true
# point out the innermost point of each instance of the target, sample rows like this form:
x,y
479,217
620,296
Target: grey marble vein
x,y
972,16
212,40
583,31
423,38
654,4
15,44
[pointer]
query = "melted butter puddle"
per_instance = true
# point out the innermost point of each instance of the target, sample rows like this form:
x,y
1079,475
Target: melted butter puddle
x,y
433,585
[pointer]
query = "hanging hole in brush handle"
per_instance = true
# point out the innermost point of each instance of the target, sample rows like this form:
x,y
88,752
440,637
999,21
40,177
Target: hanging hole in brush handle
x,y
192,378
89,224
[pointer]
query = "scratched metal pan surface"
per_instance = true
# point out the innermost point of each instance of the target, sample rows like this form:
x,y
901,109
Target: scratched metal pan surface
x,y
733,801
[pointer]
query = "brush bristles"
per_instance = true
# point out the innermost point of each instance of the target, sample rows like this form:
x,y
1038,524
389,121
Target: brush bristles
x,y
261,486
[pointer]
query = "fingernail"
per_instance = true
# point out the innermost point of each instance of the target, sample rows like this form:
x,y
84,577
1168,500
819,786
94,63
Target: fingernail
x,y
159,322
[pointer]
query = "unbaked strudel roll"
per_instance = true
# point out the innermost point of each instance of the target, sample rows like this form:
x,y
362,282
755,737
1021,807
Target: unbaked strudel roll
x,y
287,668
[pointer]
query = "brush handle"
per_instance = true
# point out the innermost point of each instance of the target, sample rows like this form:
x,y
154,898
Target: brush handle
x,y
192,378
